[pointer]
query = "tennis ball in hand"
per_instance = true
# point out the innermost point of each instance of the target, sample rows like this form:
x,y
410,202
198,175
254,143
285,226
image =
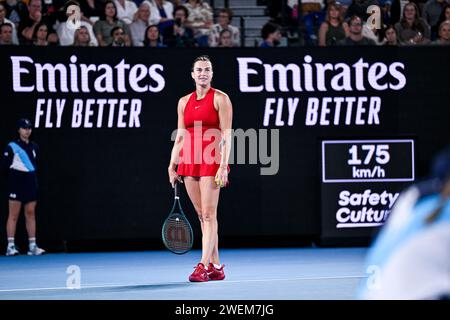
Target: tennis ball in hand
x,y
219,182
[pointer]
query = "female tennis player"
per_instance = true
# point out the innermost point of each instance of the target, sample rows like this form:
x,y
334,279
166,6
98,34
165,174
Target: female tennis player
x,y
201,150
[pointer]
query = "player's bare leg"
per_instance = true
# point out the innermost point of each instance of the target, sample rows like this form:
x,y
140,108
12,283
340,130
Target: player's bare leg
x,y
209,201
193,190
13,216
30,218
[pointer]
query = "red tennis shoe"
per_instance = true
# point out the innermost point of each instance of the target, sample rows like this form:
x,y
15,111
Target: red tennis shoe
x,y
215,273
200,274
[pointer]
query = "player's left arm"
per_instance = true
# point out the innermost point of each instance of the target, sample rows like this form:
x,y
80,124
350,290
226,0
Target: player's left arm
x,y
225,110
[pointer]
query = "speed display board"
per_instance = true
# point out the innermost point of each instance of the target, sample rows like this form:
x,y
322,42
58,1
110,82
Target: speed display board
x,y
361,180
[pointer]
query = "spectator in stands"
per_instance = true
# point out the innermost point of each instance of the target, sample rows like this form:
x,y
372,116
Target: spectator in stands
x,y
395,10
179,34
386,11
356,37
285,13
6,34
83,38
92,8
373,31
345,5
431,12
310,6
161,13
66,33
200,19
390,36
118,38
274,10
223,23
444,34
29,22
412,29
334,28
359,8
51,9
138,27
107,22
3,20
314,14
152,37
16,10
40,34
445,15
271,35
225,39
126,10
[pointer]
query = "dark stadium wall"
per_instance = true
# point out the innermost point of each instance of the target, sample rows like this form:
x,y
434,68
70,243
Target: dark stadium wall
x,y
104,119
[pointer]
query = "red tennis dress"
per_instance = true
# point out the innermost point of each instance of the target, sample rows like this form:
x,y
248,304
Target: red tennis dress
x,y
200,155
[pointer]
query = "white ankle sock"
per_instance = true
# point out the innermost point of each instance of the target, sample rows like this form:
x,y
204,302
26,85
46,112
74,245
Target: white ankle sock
x,y
11,241
217,266
32,242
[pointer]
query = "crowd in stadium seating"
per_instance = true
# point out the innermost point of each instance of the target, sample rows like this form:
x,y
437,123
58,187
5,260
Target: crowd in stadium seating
x,y
354,22
190,23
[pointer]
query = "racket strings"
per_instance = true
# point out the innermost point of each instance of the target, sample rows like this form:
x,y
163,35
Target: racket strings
x,y
177,234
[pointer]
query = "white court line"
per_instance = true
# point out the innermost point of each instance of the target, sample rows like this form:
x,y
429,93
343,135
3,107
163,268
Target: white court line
x,y
169,283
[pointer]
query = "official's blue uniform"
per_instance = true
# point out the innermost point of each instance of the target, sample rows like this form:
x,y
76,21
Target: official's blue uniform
x,y
410,258
20,159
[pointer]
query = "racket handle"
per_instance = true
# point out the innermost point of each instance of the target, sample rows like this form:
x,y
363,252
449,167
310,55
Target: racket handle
x,y
177,192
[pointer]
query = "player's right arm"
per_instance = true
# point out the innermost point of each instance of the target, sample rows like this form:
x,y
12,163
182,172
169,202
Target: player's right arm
x,y
178,143
6,160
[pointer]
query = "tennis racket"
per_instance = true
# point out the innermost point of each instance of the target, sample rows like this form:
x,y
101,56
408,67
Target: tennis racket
x,y
177,231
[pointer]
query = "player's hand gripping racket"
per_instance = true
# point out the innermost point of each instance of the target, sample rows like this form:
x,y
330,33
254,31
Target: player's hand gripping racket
x,y
177,231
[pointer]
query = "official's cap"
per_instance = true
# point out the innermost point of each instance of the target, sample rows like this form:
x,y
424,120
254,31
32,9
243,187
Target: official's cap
x,y
24,123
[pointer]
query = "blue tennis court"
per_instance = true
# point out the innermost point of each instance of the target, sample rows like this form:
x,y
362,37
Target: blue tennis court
x,y
287,273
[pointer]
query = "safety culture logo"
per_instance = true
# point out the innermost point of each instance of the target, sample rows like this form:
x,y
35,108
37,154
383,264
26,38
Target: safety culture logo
x,y
366,209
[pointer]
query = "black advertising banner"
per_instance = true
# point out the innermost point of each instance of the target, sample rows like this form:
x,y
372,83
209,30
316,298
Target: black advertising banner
x,y
104,120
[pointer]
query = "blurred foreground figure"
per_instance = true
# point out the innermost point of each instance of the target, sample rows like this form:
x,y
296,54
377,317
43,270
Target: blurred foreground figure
x,y
410,259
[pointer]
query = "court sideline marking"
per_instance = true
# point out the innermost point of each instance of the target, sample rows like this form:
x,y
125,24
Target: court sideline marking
x,y
169,283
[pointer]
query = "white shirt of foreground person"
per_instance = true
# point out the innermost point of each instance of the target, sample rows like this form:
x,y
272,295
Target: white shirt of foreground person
x,y
126,13
410,259
155,16
66,35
